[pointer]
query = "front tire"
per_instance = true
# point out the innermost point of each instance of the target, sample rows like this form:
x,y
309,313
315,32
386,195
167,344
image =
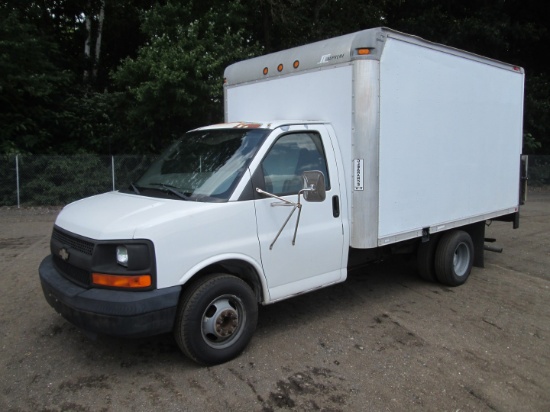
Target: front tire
x,y
216,319
454,258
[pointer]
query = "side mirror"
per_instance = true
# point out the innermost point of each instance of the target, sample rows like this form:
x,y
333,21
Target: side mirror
x,y
314,186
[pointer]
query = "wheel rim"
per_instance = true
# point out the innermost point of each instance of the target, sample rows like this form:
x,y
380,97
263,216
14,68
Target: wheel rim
x,y
222,321
461,259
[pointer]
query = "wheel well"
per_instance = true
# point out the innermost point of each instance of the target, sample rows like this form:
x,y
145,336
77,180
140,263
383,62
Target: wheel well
x,y
476,232
238,268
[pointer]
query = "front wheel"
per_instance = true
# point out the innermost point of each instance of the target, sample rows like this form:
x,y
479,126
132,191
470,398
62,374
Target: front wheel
x,y
454,258
216,319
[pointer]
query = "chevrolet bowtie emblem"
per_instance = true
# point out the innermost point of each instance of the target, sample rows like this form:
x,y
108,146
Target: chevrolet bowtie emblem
x,y
63,254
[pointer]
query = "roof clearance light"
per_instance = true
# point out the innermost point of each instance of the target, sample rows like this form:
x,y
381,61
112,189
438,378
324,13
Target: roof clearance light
x,y
296,64
363,51
280,67
266,70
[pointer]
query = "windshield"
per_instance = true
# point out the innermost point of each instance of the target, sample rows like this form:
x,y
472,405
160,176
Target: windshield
x,y
204,165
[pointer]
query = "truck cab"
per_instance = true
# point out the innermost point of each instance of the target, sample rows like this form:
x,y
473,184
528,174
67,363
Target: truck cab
x,y
229,203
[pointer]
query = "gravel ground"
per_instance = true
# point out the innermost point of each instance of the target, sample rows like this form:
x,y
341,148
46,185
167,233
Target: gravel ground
x,y
382,341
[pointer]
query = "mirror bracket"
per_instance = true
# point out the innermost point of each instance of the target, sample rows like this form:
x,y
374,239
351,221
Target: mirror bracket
x,y
314,191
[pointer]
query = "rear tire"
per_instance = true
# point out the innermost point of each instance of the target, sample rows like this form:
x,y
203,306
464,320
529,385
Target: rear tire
x,y
216,319
454,258
425,257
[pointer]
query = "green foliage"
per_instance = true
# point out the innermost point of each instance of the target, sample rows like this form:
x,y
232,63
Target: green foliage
x,y
539,171
175,82
58,180
32,87
8,181
91,124
161,63
537,114
530,144
282,24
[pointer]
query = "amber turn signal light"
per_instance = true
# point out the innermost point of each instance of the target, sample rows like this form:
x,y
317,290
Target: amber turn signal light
x,y
116,281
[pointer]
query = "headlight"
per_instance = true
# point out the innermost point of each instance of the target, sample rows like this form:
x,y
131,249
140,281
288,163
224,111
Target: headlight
x,y
122,256
124,264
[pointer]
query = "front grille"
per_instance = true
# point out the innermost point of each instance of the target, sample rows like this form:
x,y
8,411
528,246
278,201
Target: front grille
x,y
72,256
77,275
75,243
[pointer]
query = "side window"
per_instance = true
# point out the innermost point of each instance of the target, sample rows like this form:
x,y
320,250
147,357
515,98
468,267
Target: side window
x,y
290,156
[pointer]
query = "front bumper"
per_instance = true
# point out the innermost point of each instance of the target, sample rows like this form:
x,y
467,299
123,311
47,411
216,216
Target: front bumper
x,y
110,312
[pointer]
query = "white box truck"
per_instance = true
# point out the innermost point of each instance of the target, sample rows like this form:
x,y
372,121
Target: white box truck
x,y
333,154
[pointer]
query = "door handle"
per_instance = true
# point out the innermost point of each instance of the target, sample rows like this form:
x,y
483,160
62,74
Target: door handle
x,y
335,206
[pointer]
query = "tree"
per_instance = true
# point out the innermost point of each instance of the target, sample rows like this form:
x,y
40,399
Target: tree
x,y
32,87
281,24
128,75
53,88
90,71
175,82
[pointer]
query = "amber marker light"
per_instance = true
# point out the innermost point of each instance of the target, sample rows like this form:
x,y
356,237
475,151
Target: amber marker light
x,y
280,67
363,51
266,70
296,64
115,281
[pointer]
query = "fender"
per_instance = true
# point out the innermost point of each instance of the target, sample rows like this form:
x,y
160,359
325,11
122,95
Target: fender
x,y
266,298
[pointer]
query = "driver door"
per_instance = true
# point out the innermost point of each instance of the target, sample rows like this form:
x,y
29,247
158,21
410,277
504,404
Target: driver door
x,y
315,259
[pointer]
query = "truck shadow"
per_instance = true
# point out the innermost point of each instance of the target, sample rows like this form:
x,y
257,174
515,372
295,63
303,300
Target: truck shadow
x,y
364,287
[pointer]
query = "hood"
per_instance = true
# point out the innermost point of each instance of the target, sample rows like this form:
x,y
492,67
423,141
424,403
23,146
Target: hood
x,y
116,215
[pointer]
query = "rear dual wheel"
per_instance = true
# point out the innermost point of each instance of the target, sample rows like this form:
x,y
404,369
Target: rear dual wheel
x,y
448,259
216,319
454,258
426,259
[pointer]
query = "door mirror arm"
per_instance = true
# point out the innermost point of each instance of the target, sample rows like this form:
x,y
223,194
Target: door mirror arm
x,y
313,191
284,202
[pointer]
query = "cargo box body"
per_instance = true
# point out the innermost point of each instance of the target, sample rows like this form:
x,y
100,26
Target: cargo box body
x,y
431,136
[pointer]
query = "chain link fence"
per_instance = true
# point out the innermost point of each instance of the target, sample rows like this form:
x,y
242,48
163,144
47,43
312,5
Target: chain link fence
x,y
31,180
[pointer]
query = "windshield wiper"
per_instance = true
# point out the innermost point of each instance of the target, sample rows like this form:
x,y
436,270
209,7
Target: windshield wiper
x,y
135,189
172,189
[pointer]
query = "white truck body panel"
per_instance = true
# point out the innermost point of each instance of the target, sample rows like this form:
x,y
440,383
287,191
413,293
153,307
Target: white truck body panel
x,y
450,139
187,235
332,101
437,131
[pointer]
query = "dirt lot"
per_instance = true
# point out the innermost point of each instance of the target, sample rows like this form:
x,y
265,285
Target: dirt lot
x,y
383,340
